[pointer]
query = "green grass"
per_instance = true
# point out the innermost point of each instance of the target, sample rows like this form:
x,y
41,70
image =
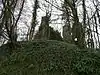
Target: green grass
x,y
50,58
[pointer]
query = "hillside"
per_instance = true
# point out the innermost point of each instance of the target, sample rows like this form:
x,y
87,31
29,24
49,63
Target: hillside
x,y
50,58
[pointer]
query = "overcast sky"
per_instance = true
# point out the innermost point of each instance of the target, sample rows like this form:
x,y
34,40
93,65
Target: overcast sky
x,y
27,14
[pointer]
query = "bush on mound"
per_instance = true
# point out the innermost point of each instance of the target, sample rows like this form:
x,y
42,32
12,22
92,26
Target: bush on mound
x,y
50,58
86,62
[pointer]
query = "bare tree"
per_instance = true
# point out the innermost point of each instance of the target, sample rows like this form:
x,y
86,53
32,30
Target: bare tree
x,y
8,21
34,20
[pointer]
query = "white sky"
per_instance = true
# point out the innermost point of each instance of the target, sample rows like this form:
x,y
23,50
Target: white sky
x,y
27,14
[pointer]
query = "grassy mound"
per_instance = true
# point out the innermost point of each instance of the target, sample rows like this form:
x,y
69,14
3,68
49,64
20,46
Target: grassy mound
x,y
50,58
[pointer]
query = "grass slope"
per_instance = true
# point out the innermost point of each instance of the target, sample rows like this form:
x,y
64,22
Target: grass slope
x,y
50,58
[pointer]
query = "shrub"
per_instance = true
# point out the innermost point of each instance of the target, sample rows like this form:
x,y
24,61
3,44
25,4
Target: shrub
x,y
51,58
